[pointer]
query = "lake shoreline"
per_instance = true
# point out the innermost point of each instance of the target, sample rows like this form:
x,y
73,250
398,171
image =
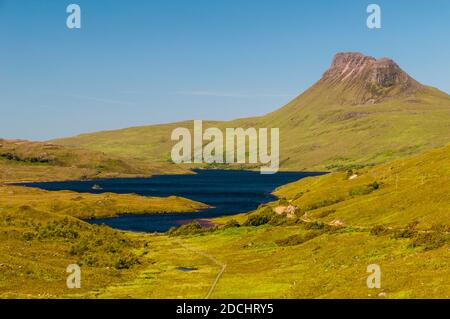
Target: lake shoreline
x,y
225,192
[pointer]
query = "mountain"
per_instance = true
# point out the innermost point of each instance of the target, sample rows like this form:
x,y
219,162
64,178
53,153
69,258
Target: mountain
x,y
319,245
362,112
366,80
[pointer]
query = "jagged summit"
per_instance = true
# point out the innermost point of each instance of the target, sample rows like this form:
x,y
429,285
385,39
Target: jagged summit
x,y
366,80
346,66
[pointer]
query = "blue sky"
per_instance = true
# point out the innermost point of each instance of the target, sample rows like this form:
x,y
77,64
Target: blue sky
x,y
145,62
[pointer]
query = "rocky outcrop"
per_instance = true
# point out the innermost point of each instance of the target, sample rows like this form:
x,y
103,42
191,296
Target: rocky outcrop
x,y
369,80
347,66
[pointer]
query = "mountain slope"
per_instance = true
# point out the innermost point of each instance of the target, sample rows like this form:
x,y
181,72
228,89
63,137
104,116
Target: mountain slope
x,y
363,111
394,194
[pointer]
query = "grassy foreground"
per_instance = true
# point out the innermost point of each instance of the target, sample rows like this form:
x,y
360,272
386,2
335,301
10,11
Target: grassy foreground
x,y
316,241
41,233
257,265
395,215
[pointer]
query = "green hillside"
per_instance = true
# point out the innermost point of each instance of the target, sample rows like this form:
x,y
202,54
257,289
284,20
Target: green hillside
x,y
41,231
361,112
35,161
412,190
394,215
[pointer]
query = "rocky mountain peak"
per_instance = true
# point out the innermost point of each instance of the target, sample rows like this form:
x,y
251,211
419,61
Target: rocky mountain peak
x,y
346,64
371,80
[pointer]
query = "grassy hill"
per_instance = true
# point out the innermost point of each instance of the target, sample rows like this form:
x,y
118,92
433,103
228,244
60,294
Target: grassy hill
x,y
41,233
413,190
83,205
31,161
394,215
361,112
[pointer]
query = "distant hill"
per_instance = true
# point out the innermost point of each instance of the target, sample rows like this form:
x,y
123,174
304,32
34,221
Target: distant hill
x,y
22,160
363,111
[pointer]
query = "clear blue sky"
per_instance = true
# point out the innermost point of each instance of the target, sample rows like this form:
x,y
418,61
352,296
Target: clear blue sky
x,y
145,62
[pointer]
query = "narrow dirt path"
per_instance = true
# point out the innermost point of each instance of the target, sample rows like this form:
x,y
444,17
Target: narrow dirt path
x,y
209,257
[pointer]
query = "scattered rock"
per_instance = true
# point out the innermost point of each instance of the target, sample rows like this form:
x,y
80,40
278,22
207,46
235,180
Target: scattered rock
x,y
280,210
290,210
337,223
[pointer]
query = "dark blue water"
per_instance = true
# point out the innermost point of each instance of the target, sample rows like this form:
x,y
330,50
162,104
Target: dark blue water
x,y
228,191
